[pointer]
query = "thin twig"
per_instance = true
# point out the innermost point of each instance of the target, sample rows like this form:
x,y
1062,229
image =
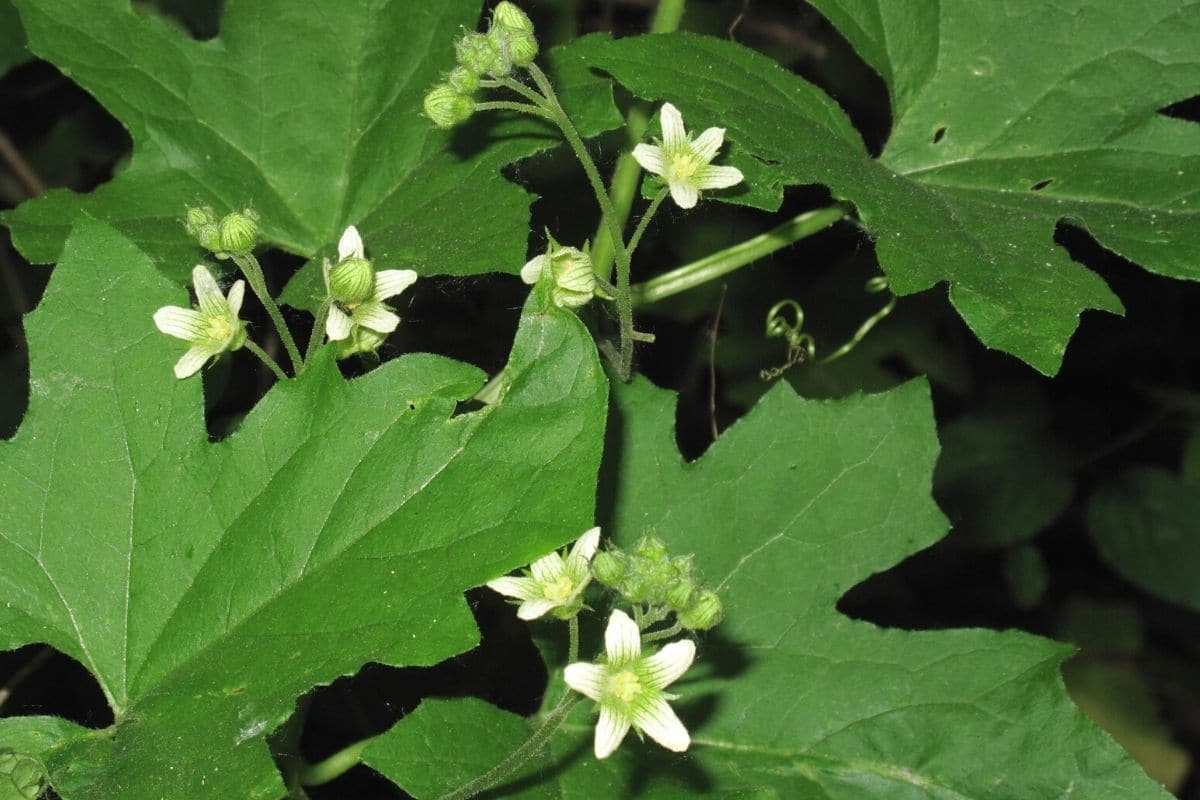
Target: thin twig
x,y
20,167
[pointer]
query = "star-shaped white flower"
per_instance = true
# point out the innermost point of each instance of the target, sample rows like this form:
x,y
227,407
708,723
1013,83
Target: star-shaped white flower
x,y
211,328
628,687
686,165
554,583
369,312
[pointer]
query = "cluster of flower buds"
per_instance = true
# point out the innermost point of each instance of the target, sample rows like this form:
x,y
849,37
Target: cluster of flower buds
x,y
649,575
567,272
508,43
234,234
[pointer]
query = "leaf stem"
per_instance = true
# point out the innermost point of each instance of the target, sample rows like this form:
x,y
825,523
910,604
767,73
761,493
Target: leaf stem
x,y
336,765
265,357
739,255
258,283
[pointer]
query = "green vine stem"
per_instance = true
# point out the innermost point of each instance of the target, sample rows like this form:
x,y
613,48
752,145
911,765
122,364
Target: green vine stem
x,y
644,222
318,332
336,765
265,357
258,283
666,19
739,255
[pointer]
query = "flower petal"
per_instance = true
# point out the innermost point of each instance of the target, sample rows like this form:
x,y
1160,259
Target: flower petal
x,y
532,609
533,269
585,546
182,323
657,720
350,245
650,158
549,567
192,361
520,588
622,639
391,282
664,667
208,294
711,177
587,679
376,316
674,135
337,324
684,194
610,730
237,293
708,144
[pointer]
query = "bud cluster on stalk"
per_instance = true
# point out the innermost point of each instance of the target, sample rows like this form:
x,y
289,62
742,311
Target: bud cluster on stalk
x,y
651,576
509,43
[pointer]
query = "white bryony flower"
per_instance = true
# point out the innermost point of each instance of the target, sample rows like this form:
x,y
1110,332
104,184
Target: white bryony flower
x,y
211,328
686,164
628,687
554,583
570,270
358,291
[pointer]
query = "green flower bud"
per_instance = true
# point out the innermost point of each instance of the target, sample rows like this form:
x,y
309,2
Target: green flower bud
x,y
574,278
198,218
705,612
651,549
209,237
480,54
448,107
510,16
519,48
352,281
462,80
239,232
680,594
610,567
21,776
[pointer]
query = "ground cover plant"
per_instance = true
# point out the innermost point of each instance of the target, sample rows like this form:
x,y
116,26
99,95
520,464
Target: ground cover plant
x,y
599,399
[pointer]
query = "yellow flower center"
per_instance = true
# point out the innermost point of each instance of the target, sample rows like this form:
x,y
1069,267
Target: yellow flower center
x,y
626,686
683,166
560,590
219,329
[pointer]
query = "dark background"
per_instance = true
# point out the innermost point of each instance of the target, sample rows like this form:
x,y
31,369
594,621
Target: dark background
x,y
1128,395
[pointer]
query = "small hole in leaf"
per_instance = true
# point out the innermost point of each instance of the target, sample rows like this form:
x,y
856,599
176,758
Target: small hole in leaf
x,y
939,134
45,682
1037,187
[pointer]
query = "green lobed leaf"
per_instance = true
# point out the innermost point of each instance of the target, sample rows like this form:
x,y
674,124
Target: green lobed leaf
x,y
1008,119
310,113
1144,523
792,506
206,585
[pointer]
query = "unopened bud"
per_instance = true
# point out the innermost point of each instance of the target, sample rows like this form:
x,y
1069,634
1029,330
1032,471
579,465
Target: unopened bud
x,y
462,80
574,277
512,17
651,548
209,237
680,594
198,218
481,55
239,232
705,612
360,340
448,107
610,567
352,281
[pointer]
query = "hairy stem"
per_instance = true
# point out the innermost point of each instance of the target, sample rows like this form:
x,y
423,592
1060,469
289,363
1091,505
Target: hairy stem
x,y
258,284
520,108
318,332
265,357
644,222
739,255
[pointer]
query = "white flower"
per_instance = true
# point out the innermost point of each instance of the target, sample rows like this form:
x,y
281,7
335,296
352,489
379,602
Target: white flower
x,y
554,583
211,328
686,165
570,270
628,687
364,308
